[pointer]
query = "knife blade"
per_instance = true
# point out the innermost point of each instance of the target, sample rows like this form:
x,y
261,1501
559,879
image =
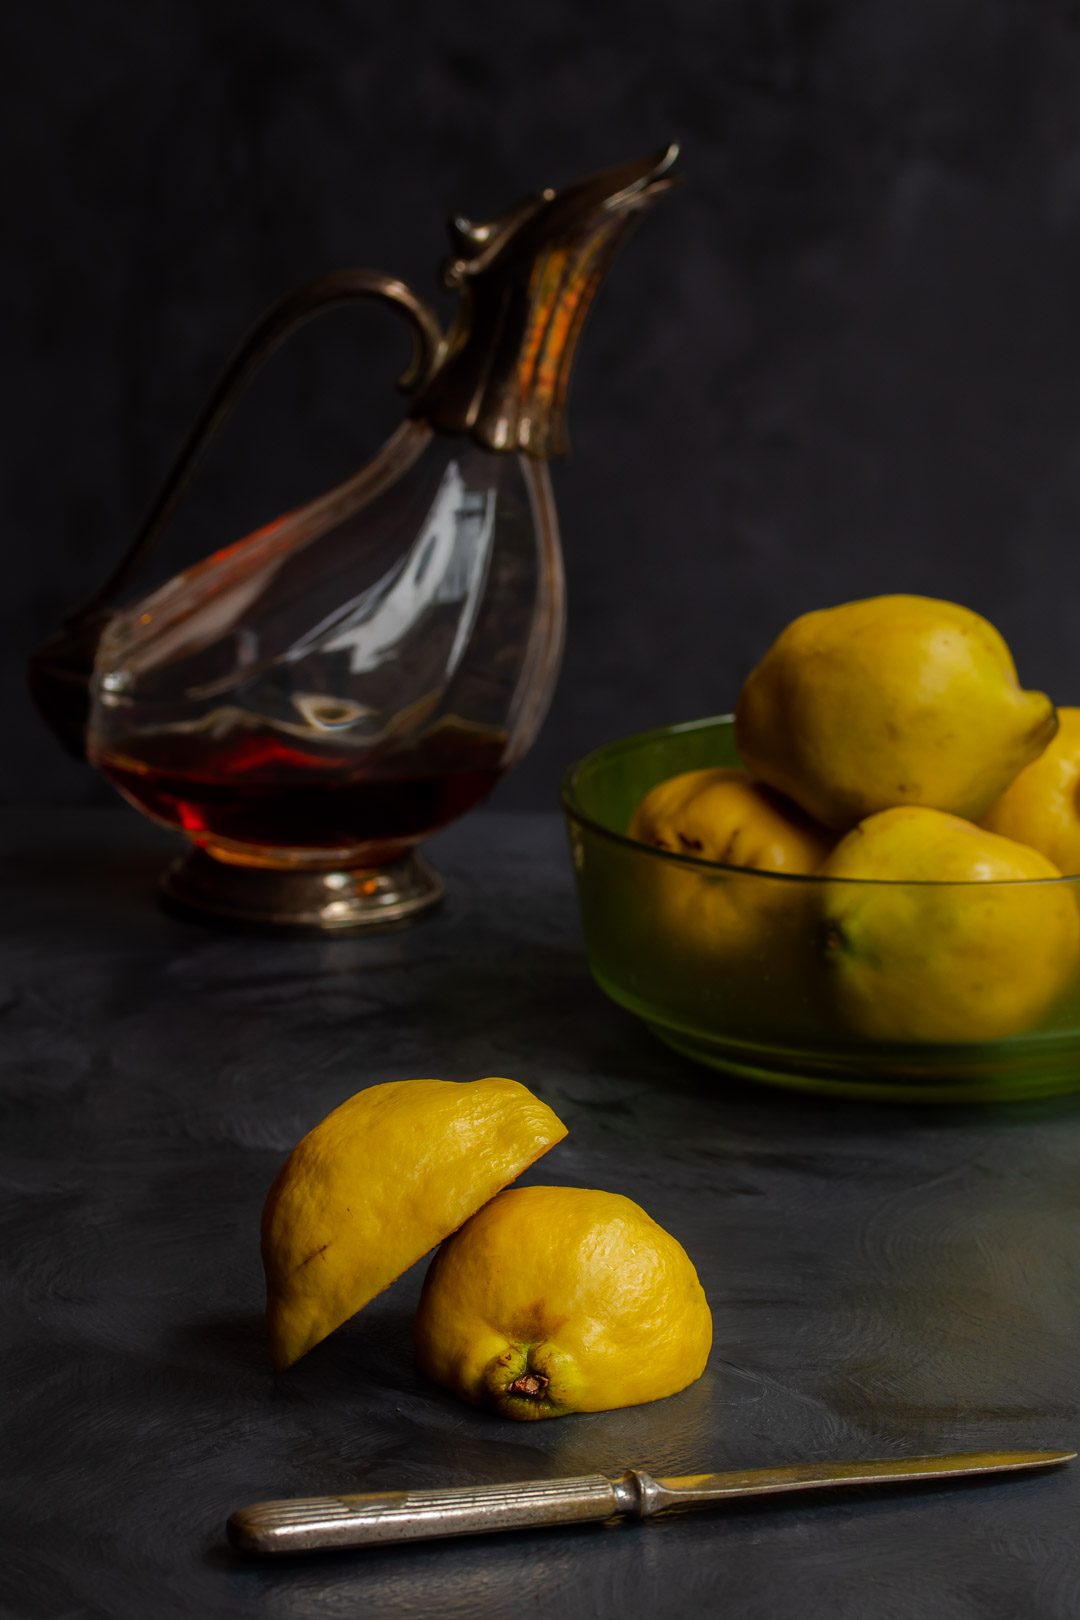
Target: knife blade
x,y
315,1523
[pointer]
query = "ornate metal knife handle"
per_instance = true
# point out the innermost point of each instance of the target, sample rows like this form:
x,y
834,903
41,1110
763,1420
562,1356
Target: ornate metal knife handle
x,y
304,1524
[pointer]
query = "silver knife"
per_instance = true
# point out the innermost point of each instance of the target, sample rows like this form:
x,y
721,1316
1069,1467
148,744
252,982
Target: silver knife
x,y
312,1523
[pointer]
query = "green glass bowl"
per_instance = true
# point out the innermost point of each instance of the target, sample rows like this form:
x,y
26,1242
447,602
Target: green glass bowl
x,y
738,968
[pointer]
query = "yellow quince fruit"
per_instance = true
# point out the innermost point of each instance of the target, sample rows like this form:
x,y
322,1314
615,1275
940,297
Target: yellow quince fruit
x,y
945,938
720,815
379,1183
1041,806
895,700
562,1299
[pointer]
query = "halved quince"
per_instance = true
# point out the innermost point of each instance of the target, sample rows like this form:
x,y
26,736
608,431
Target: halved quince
x,y
382,1180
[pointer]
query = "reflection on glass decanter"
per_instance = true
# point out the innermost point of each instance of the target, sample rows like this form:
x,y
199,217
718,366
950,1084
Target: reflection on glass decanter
x,y
331,690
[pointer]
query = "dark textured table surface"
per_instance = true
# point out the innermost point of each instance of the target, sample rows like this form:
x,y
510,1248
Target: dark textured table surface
x,y
882,1280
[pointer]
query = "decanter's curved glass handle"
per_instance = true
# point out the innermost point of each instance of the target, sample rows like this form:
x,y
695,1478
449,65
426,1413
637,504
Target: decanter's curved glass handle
x,y
279,322
60,671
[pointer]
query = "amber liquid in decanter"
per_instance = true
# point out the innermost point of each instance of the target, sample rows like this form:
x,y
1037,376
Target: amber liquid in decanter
x,y
296,804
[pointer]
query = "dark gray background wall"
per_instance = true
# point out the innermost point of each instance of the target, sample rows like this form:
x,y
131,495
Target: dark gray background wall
x,y
845,358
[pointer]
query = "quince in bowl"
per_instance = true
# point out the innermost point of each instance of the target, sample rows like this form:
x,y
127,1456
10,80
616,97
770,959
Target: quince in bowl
x,y
947,991
876,915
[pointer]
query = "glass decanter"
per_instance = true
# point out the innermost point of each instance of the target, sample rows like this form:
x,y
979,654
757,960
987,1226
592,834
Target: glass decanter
x,y
311,703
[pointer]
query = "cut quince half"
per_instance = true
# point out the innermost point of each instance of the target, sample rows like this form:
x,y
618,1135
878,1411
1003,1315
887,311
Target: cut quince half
x,y
562,1299
382,1180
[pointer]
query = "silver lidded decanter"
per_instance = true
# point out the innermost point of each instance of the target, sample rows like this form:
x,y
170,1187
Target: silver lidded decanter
x,y
312,702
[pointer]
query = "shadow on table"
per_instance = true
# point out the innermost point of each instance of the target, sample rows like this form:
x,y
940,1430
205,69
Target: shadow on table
x,y
380,1357
89,874
237,1342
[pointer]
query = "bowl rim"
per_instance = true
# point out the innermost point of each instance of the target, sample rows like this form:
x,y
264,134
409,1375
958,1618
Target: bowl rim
x,y
638,739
